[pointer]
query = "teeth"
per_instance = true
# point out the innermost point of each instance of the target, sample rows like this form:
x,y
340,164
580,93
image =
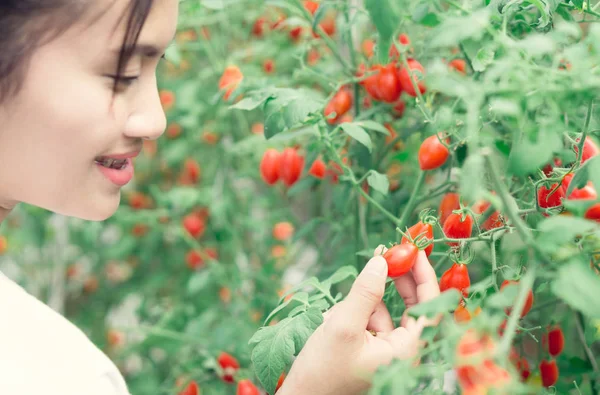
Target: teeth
x,y
112,163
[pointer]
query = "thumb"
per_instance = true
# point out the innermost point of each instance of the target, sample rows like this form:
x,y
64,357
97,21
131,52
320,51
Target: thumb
x,y
365,295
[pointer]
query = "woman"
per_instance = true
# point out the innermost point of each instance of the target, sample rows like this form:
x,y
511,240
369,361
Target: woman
x,y
78,96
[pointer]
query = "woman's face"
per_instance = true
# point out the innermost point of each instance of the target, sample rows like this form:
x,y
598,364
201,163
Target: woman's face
x,y
54,131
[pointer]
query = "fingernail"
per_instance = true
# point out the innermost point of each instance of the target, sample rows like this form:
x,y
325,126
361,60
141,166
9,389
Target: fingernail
x,y
377,266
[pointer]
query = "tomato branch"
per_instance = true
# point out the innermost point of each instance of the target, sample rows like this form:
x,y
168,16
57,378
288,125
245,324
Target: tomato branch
x,y
579,323
413,199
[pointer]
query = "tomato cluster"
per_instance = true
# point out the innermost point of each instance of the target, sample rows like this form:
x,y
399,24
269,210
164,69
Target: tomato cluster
x,y
286,166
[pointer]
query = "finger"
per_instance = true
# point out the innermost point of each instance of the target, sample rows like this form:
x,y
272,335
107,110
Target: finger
x,y
405,340
380,250
425,278
352,315
407,288
381,320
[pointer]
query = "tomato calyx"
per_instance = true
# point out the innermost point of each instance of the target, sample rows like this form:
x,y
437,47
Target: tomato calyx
x,y
421,241
427,217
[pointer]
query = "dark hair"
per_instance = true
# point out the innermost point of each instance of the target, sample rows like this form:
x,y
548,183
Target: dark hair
x,y
25,25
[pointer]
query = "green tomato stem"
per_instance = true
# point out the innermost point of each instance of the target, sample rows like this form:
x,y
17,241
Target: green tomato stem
x,y
411,203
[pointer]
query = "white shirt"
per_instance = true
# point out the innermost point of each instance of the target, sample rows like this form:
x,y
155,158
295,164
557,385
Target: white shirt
x,y
41,352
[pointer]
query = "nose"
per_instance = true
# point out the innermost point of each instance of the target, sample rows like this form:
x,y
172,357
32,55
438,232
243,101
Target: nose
x,y
147,120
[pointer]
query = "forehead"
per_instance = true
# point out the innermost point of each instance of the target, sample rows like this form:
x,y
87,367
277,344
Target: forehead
x,y
106,21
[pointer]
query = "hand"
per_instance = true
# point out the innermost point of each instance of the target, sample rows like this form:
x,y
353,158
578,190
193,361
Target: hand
x,y
342,354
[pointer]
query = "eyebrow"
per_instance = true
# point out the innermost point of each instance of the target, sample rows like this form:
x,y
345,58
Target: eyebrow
x,y
147,50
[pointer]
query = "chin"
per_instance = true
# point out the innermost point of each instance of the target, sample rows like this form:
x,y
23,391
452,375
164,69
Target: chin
x,y
97,210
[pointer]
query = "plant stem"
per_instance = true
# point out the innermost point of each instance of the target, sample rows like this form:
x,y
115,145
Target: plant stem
x,y
579,323
413,198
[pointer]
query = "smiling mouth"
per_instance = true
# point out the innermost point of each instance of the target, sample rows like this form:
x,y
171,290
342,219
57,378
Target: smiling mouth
x,y
110,163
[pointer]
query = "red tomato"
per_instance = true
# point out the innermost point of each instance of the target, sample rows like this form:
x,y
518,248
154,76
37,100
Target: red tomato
x,y
270,166
456,277
229,364
549,199
432,153
317,169
231,78
494,221
418,229
554,341
194,225
191,170
283,230
459,65
528,302
194,259
311,6
404,40
593,213
368,48
590,149
191,389
550,167
549,373
328,26
258,27
399,108
269,66
291,166
522,366
405,79
371,83
280,382
587,192
341,103
400,259
167,99
456,228
296,32
388,84
461,314
245,387
449,203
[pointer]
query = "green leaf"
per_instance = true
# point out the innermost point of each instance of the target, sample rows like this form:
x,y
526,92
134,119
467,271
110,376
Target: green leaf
x,y
358,134
340,275
375,126
173,55
579,287
386,20
301,297
590,171
529,154
445,302
505,298
287,108
321,11
275,346
558,230
422,16
250,102
578,3
198,281
456,29
483,58
378,182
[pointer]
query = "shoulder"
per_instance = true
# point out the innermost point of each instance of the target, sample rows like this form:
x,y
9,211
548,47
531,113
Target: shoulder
x,y
42,352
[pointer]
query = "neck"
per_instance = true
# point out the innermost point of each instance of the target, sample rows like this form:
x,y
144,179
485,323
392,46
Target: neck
x,y
4,211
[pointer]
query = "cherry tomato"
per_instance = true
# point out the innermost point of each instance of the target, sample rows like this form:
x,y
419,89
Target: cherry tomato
x,y
368,48
228,362
259,27
420,229
270,166
432,153
461,314
585,193
388,85
291,166
593,213
528,302
449,203
550,167
456,277
283,231
549,372
269,66
317,169
231,78
246,387
167,99
191,170
456,228
194,225
194,259
341,103
399,108
459,65
311,6
328,26
405,79
404,40
554,341
522,366
280,382
400,259
371,83
590,149
549,199
191,389
493,221
296,33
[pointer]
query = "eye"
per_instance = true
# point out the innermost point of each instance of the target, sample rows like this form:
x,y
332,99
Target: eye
x,y
125,80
